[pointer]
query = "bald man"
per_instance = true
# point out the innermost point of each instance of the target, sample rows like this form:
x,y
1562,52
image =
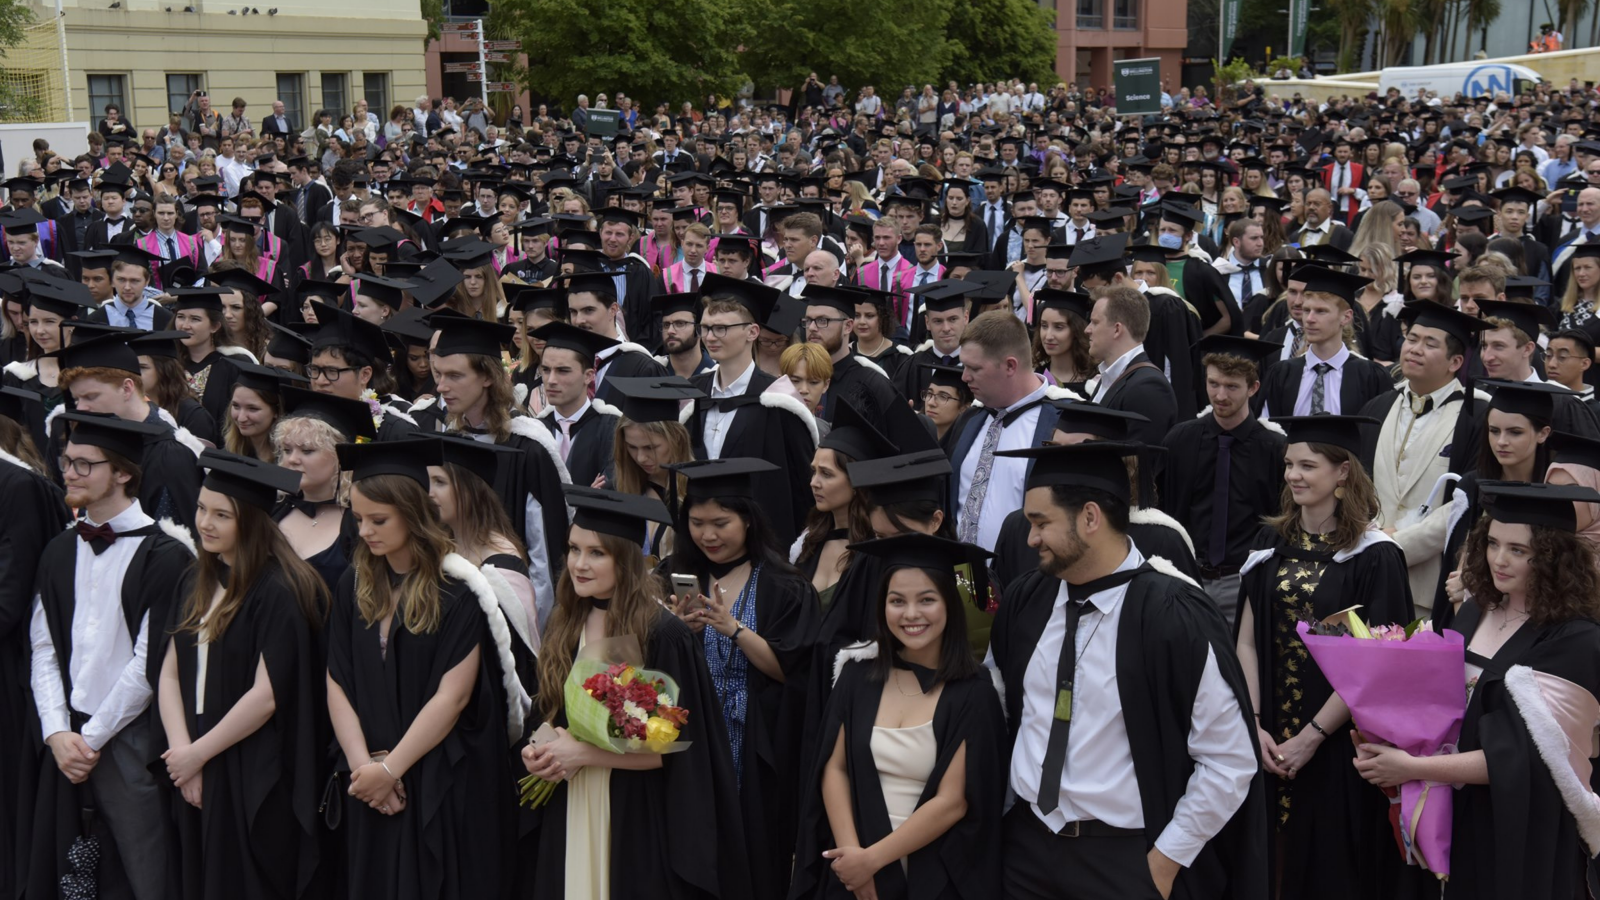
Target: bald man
x,y
820,268
1587,232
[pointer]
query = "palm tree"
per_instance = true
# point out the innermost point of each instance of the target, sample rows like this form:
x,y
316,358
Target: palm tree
x,y
1399,19
1353,18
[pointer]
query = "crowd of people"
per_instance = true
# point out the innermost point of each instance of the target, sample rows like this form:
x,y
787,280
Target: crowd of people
x,y
860,423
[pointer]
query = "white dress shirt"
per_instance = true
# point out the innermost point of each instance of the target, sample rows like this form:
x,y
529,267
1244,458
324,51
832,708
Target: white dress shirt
x,y
1109,374
108,665
1007,475
1315,236
1331,382
1098,781
567,424
719,423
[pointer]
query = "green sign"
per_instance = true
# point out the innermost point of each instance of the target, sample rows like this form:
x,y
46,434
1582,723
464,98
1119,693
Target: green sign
x,y
602,122
1299,12
1228,28
1138,86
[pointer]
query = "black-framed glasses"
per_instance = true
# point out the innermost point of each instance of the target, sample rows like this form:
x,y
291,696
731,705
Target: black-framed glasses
x,y
679,326
332,373
80,467
721,331
822,321
931,396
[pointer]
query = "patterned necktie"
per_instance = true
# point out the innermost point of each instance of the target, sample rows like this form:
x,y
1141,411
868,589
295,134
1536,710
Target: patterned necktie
x,y
973,508
1249,280
1319,387
1079,232
302,201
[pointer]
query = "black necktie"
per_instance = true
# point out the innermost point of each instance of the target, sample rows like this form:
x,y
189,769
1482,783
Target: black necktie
x,y
1217,548
1055,754
1249,280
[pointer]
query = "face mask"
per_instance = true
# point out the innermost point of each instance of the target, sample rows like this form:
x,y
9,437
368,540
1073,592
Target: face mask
x,y
1170,241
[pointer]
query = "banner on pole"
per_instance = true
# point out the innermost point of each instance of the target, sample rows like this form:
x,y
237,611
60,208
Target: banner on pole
x,y
1138,86
1299,14
1230,28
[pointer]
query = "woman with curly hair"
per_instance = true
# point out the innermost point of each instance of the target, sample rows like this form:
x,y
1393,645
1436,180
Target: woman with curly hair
x,y
1524,812
1307,563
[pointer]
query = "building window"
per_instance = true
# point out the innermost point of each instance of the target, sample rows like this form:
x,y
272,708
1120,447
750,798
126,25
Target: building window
x,y
108,89
292,91
179,89
1091,13
1125,15
375,87
335,95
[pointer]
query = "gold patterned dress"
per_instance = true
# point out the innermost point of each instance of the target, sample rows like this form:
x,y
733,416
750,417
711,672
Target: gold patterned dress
x,y
1294,583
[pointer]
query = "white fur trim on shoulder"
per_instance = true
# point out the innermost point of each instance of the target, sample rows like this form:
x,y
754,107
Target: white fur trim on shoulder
x,y
853,653
1273,427
519,395
511,607
662,360
1091,387
428,403
389,410
178,533
903,349
1256,558
791,405
1165,567
1150,516
1551,740
604,408
1370,538
794,548
629,347
239,353
22,371
869,364
926,345
534,430
686,413
188,440
6,457
1203,413
1058,392
999,687
517,703
50,418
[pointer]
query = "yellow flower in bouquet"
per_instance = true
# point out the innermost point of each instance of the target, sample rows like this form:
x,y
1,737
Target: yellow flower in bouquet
x,y
659,733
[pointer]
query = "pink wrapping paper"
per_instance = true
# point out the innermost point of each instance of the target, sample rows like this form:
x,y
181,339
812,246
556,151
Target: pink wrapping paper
x,y
1411,694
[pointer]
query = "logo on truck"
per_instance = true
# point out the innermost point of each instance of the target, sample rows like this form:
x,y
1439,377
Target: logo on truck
x,y
1486,81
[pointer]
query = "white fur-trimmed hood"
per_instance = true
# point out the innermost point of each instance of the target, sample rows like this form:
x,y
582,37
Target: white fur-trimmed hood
x,y
517,703
1523,684
6,457
1145,515
534,430
182,435
22,371
1268,424
794,407
178,533
869,364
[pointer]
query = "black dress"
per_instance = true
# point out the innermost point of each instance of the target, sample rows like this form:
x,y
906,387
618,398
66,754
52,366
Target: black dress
x,y
964,862
256,832
1332,826
1515,837
676,829
453,838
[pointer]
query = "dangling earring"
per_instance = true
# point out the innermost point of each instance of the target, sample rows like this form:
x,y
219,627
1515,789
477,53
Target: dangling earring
x,y
1338,492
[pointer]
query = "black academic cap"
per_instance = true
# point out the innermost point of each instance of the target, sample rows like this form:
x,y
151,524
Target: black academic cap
x,y
241,280
756,297
21,221
411,327
1186,216
1523,286
1518,195
1099,253
106,431
1244,348
331,291
537,225
962,259
1528,317
646,400
834,298
1107,424
1438,259
1150,253
106,351
1075,302
481,458
1340,431
1319,280
206,298
586,261
1092,464
906,478
614,513
63,298
287,343
352,418
1548,505
855,436
1329,255
388,291
23,183
246,479
666,304
1574,449
915,550
739,243
601,283
729,477
569,337
238,224
479,337
1534,399
946,376
435,282
265,379
383,239
1472,215
525,298
785,316
1110,217
946,294
156,343
618,214
339,328
95,259
1458,325
15,401
409,458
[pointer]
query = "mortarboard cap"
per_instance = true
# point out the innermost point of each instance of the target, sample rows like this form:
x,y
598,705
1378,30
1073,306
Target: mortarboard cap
x,y
1547,505
1534,399
110,433
408,458
730,477
289,344
388,291
915,550
481,458
1319,280
646,400
1528,317
1077,417
1092,464
351,418
614,513
349,332
247,480
478,337
907,478
1244,348
1339,431
586,344
63,298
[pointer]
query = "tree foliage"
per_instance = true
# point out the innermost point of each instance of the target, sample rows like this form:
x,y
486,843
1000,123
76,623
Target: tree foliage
x,y
15,17
888,44
654,52
992,39
432,14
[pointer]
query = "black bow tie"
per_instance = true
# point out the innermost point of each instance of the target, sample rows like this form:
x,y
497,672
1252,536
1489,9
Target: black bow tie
x,y
309,507
99,536
1080,593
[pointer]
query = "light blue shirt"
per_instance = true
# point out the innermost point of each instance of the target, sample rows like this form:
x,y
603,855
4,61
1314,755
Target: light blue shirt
x,y
142,314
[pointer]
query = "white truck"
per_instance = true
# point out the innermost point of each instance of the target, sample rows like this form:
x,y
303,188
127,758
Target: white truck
x,y
1471,79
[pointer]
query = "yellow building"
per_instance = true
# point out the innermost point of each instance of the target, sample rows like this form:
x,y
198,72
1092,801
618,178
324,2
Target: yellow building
x,y
148,55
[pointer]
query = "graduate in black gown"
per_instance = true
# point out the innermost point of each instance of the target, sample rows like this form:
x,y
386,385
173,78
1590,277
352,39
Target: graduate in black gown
x,y
622,823
423,694
1290,387
757,618
350,358
906,793
832,313
51,305
1174,720
1322,553
36,512
585,427
1524,812
207,354
238,695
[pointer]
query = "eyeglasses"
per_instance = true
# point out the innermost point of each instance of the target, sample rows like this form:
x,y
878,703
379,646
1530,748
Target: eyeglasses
x,y
777,343
933,396
677,326
821,321
80,467
721,331
332,373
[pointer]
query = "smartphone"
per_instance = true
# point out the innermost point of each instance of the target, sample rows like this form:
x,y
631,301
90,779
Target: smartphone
x,y
685,586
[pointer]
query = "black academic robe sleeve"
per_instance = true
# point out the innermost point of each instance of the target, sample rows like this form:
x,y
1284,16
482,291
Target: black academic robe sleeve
x,y
1174,331
1146,392
194,418
169,484
964,862
539,477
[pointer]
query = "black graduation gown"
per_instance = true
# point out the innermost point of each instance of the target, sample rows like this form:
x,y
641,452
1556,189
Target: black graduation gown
x,y
1169,344
194,417
1144,390
869,392
540,477
593,438
1361,380
531,271
26,376
1338,843
1204,287
1013,558
169,480
961,864
892,360
775,433
1464,492
1514,837
256,832
626,363
220,375
1382,337
453,840
14,349
151,586
677,829
1255,482
1163,639
36,511
912,379
787,615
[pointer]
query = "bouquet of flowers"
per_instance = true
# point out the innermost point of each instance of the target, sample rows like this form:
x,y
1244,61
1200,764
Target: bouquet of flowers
x,y
1364,665
616,706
